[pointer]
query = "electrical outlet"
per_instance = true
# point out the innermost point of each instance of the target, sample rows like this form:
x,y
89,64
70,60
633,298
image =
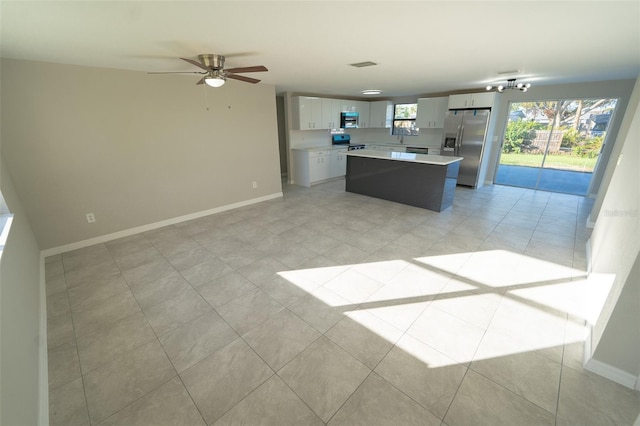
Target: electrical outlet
x,y
91,218
255,184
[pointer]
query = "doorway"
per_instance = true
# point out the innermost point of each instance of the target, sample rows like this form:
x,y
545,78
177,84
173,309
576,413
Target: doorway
x,y
554,145
282,136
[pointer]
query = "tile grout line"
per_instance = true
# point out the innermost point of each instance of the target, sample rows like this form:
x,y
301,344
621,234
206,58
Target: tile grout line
x,y
286,307
158,339
75,341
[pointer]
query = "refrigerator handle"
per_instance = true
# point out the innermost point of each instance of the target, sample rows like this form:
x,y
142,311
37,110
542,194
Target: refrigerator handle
x,y
459,140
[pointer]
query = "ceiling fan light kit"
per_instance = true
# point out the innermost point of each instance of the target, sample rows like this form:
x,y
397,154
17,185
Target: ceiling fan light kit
x,y
215,79
215,75
511,85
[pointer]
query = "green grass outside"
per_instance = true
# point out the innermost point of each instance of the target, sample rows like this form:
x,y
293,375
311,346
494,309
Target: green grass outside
x,y
564,162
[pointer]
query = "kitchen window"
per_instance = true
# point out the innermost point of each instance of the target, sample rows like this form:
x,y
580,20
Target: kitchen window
x,y
404,120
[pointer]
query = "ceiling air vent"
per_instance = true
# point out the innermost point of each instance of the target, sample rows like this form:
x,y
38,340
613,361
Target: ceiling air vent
x,y
363,64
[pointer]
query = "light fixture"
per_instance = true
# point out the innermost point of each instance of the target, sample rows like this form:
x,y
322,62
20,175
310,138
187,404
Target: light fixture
x,y
371,92
215,79
511,84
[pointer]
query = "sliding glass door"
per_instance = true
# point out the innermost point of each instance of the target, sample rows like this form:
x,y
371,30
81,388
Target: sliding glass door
x,y
554,145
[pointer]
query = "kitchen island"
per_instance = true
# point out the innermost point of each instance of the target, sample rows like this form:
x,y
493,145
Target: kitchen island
x,y
420,180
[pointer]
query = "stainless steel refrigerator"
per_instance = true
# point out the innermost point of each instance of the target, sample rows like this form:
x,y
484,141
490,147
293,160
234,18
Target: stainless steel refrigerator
x,y
465,132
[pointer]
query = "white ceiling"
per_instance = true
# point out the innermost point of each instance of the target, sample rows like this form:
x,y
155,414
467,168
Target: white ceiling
x,y
420,46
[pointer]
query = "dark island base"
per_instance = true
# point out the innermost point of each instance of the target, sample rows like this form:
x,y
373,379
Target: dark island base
x,y
428,186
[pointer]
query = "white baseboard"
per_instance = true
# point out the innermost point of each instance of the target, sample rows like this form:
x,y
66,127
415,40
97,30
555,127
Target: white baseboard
x,y
612,373
132,231
605,370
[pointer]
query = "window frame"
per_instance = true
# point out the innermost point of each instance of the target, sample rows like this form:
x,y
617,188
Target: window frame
x,y
412,130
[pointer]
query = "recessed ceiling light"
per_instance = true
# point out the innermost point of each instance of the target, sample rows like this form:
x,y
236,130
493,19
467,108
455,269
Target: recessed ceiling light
x,y
363,64
371,92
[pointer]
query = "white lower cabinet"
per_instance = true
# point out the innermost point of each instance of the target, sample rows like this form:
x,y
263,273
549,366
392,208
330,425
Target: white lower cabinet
x,y
319,166
338,162
312,166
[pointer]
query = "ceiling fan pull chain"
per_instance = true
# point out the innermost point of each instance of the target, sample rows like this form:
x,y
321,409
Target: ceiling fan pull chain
x,y
206,101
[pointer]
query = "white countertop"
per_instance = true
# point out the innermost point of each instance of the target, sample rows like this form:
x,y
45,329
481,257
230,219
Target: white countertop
x,y
321,148
439,160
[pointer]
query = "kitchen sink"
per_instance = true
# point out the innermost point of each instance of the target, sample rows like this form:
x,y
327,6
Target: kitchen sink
x,y
417,149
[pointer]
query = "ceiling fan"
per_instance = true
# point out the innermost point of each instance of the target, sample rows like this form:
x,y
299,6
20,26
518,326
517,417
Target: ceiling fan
x,y
214,72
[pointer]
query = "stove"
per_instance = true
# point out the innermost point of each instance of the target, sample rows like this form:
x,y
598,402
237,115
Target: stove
x,y
353,147
345,140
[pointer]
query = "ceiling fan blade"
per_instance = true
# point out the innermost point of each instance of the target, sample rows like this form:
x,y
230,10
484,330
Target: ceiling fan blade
x,y
196,63
177,72
201,81
243,78
258,68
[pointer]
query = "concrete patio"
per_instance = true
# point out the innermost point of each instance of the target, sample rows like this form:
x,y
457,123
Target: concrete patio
x,y
554,180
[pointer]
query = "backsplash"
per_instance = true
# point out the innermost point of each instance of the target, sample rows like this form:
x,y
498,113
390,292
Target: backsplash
x,y
431,138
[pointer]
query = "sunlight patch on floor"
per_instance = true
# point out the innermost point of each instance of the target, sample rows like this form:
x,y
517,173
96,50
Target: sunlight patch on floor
x,y
582,298
464,306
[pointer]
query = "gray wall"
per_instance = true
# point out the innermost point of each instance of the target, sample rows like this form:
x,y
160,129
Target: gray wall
x,y
615,248
20,339
132,148
619,344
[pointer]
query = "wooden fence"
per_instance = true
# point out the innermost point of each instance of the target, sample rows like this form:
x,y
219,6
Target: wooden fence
x,y
539,142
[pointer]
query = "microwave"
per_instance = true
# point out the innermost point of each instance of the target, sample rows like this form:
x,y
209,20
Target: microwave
x,y
349,120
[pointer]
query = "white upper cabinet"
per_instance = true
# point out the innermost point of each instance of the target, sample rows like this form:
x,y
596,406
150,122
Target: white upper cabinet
x,y
431,112
363,110
307,113
348,105
472,100
311,113
330,113
380,114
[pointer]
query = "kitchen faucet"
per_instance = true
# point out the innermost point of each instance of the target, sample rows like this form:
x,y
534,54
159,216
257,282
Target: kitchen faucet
x,y
401,138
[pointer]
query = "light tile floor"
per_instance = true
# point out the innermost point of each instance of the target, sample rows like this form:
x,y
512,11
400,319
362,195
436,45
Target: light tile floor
x,y
326,307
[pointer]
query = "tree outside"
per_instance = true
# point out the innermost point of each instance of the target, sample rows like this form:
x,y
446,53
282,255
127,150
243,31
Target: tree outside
x,y
571,132
404,120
